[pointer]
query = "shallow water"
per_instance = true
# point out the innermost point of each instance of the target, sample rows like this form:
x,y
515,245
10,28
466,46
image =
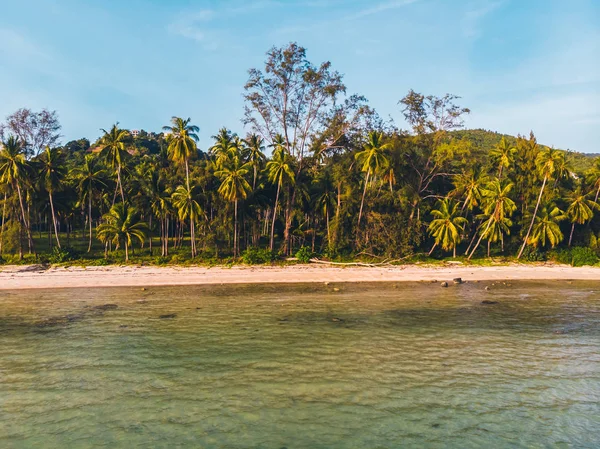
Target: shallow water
x,y
305,366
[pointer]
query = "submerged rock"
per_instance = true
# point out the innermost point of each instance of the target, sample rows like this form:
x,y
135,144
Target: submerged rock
x,y
489,302
444,284
107,307
457,280
167,316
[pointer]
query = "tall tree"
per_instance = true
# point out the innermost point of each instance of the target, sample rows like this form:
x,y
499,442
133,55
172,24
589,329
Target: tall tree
x,y
182,147
234,187
114,145
372,160
255,146
280,170
503,155
547,228
90,179
15,170
547,162
447,226
580,209
182,143
35,130
121,226
53,173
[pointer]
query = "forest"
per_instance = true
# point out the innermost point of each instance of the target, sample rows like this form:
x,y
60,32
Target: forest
x,y
319,175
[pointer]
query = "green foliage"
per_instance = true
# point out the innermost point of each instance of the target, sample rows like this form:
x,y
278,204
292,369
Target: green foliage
x,y
533,254
304,254
62,255
257,256
578,256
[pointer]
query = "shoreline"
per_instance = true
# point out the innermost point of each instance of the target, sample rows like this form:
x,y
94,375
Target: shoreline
x,y
35,277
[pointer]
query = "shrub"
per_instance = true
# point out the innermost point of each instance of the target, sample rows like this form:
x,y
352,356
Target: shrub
x,y
257,256
61,255
531,254
304,254
162,260
581,255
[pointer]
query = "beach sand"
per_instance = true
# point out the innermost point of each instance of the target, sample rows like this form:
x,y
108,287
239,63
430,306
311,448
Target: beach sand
x,y
24,277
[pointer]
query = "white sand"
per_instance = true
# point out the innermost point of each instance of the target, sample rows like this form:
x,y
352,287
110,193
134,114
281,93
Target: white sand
x,y
22,277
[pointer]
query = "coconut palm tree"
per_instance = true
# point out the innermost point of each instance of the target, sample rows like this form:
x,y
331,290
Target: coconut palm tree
x,y
280,170
580,209
546,228
593,177
234,187
121,227
547,162
503,155
5,191
188,208
114,144
498,207
447,226
90,179
52,174
182,147
182,140
255,146
372,159
469,186
15,170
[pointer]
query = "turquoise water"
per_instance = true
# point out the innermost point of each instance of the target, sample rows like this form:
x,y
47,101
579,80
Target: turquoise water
x,y
367,366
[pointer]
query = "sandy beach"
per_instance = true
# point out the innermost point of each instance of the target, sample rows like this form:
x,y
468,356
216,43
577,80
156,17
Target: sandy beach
x,y
23,277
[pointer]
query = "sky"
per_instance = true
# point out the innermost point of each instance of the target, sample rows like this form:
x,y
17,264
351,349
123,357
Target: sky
x,y
519,65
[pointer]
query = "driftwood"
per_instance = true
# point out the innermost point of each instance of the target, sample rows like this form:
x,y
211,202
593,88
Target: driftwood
x,y
385,263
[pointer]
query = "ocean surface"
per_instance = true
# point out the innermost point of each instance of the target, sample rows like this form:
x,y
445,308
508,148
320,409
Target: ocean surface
x,y
302,366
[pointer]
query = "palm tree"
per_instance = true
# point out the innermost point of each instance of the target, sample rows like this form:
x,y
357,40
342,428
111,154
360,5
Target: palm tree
x,y
469,185
159,200
90,179
447,226
593,176
114,144
226,146
256,156
188,208
372,160
547,228
182,147
279,170
498,207
182,143
580,209
14,170
234,187
53,173
121,226
503,155
5,190
547,163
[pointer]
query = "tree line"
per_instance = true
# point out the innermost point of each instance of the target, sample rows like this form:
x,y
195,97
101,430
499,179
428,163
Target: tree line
x,y
319,171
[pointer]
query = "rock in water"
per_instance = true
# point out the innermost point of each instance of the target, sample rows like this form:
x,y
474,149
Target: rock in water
x,y
444,284
107,307
488,302
167,316
457,280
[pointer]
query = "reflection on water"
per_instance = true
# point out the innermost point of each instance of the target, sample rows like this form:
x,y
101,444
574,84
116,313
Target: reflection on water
x,y
367,366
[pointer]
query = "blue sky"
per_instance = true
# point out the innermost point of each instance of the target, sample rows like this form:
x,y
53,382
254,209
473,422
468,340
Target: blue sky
x,y
520,65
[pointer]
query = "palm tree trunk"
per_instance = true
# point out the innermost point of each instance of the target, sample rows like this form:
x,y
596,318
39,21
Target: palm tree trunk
x,y
193,236
126,251
571,235
187,175
597,193
150,234
120,183
54,219
482,234
271,244
90,220
25,222
432,248
2,227
537,205
362,202
488,247
235,223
